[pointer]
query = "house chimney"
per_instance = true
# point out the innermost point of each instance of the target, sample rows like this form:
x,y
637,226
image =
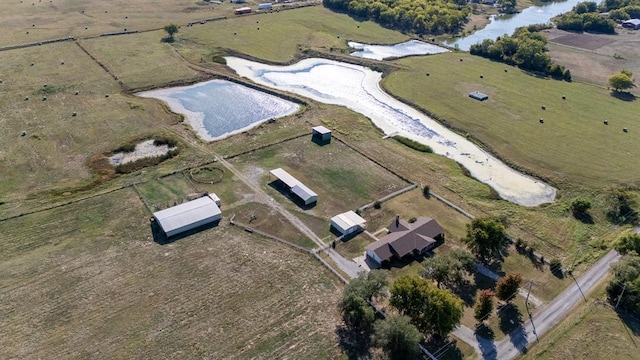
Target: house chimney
x,y
397,220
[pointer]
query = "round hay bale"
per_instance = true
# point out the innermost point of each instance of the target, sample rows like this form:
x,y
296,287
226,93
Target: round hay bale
x,y
0,81
427,74
505,69
460,60
544,107
235,33
44,85
564,97
86,28
23,133
258,28
338,36
26,98
481,76
77,92
74,114
125,29
358,26
27,33
126,17
44,98
32,64
541,121
625,129
61,62
106,95
606,122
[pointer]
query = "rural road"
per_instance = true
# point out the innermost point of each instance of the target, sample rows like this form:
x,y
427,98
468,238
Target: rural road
x,y
514,344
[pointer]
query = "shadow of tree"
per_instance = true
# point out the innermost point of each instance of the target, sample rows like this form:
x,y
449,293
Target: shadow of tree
x,y
355,343
583,217
511,324
465,290
444,349
623,95
485,337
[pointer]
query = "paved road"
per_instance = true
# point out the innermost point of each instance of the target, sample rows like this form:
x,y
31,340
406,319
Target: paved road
x,y
552,313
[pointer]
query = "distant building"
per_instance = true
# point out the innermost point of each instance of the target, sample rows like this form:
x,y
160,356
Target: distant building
x,y
297,188
265,6
631,24
348,223
190,215
478,95
242,10
405,239
321,134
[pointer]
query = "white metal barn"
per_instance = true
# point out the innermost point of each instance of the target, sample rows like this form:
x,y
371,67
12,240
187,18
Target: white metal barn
x,y
348,223
189,215
295,186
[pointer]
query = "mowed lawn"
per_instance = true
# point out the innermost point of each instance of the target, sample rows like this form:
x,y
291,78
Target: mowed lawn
x,y
342,178
573,143
277,36
57,145
87,281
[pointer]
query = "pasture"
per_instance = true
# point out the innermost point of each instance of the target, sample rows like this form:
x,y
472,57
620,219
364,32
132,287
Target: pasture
x,y
87,280
573,144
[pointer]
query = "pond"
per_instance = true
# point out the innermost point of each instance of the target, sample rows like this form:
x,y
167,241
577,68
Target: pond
x,y
358,89
507,23
219,108
407,48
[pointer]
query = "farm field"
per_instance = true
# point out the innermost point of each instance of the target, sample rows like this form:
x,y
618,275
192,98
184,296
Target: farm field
x,y
573,144
87,280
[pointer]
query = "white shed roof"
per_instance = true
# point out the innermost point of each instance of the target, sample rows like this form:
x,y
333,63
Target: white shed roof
x,y
294,184
321,130
303,192
348,220
188,213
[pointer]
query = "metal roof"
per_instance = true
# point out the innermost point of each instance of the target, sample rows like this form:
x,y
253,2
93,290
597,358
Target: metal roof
x,y
188,213
321,130
294,184
348,220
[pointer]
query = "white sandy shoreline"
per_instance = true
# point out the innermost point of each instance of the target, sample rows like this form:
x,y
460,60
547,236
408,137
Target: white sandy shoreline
x,y
313,78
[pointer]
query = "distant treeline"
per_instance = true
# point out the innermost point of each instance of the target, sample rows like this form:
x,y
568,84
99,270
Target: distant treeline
x,y
526,48
585,17
418,16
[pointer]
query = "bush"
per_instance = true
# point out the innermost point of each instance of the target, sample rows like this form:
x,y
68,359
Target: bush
x,y
377,205
580,206
426,191
165,141
413,144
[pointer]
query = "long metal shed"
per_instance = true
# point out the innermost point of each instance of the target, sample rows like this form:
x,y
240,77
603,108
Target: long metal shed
x,y
188,216
295,186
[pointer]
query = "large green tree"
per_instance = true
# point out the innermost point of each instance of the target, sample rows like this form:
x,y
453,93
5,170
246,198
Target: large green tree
x,y
485,237
508,286
449,269
171,30
432,310
397,337
620,81
628,243
354,305
624,288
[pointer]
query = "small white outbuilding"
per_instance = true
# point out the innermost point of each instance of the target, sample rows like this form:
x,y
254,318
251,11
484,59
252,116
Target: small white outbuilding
x,y
190,215
348,223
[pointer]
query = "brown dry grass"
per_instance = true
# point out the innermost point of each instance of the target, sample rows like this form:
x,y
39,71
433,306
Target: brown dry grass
x,y
87,280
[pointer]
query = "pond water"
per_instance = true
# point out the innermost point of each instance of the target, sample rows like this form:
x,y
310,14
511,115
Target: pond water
x,y
407,48
357,88
219,108
507,23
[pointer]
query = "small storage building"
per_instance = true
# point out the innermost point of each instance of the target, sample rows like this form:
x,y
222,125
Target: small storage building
x,y
478,95
265,6
348,223
321,134
295,186
189,215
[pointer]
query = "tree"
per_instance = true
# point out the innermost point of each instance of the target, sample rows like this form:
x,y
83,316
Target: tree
x,y
171,30
507,5
354,305
622,203
397,337
485,236
580,206
484,305
620,81
431,310
356,312
508,286
628,243
449,269
624,288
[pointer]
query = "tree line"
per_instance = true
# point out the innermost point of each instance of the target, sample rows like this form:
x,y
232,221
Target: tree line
x,y
525,48
624,289
418,16
585,17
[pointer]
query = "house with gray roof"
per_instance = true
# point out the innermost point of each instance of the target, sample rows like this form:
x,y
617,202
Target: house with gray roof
x,y
405,239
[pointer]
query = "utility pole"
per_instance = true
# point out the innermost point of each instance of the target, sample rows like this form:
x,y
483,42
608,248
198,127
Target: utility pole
x,y
620,297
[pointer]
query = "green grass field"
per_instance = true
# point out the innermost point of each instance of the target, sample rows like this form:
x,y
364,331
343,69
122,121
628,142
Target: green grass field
x,y
573,144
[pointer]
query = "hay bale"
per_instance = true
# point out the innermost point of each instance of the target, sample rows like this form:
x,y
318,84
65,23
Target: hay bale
x,y
106,95
26,98
541,121
23,133
564,97
544,107
44,85
460,60
0,81
427,74
606,122
74,114
77,93
61,62
481,76
44,98
505,69
32,64
625,129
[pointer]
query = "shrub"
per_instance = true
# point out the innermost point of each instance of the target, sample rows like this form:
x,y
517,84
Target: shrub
x,y
377,205
426,191
413,144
